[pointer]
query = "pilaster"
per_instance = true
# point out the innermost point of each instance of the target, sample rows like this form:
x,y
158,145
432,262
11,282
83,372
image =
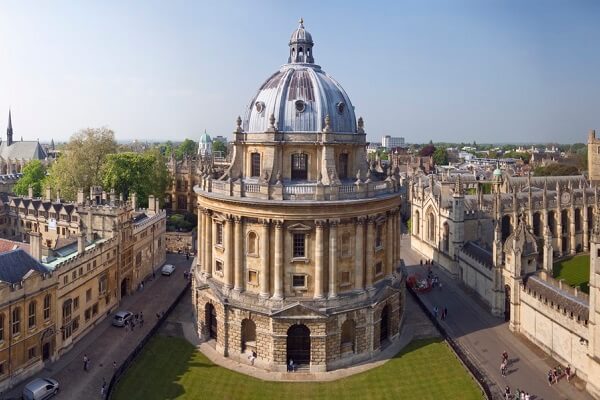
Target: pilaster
x,y
264,252
359,255
333,257
319,224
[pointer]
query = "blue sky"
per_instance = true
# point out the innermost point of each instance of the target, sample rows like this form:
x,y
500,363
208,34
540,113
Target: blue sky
x,y
490,71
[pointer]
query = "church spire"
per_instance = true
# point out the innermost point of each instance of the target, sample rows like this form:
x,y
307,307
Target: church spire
x,y
9,130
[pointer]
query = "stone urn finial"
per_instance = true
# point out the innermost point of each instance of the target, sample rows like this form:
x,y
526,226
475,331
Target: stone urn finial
x,y
238,123
278,177
361,125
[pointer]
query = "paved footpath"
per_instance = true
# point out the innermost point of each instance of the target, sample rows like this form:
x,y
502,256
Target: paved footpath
x,y
485,337
105,343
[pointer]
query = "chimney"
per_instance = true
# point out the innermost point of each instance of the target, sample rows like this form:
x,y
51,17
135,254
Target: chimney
x,y
151,203
58,195
591,136
80,196
113,197
30,191
49,194
35,244
133,200
156,204
80,242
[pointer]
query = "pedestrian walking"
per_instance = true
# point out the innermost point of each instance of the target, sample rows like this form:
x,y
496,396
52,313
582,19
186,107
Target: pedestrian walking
x,y
103,388
85,362
503,368
142,286
507,393
435,311
141,320
114,365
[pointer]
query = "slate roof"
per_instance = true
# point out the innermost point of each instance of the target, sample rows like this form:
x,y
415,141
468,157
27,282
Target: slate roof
x,y
22,150
15,264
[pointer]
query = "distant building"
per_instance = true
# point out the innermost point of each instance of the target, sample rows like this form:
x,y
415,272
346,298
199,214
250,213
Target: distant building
x,y
389,142
15,154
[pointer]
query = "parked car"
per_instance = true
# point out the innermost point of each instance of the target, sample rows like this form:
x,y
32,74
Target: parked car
x,y
40,388
121,318
167,269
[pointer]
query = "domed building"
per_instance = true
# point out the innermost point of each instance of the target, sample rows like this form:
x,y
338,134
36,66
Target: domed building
x,y
299,239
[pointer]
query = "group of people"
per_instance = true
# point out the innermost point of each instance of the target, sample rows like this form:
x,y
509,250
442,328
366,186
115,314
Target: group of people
x,y
443,314
433,280
138,318
518,395
557,372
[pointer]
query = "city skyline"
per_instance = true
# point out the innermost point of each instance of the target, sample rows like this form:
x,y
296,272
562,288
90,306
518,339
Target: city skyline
x,y
468,71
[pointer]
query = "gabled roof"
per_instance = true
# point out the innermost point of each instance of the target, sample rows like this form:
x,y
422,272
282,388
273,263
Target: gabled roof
x,y
15,264
22,150
8,245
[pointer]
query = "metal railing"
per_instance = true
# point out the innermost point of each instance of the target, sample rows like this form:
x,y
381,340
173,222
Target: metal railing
x,y
120,371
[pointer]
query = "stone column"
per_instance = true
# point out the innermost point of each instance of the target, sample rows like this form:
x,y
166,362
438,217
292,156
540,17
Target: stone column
x,y
333,256
572,240
238,251
208,234
558,216
389,244
264,252
359,255
229,250
319,260
370,247
200,238
399,237
278,270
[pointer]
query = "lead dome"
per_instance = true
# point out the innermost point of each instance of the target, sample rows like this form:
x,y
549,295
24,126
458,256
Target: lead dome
x,y
300,95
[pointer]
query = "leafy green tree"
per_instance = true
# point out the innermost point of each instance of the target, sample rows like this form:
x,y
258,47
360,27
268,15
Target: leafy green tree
x,y
143,173
34,174
186,148
218,145
440,156
556,170
81,162
427,151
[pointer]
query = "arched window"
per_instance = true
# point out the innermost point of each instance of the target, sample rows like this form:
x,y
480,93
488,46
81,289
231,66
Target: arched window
x,y
417,223
47,306
299,166
347,342
252,243
16,321
255,165
343,166
446,237
431,227
32,314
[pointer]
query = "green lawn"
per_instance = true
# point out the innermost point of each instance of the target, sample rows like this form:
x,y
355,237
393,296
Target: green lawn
x,y
575,271
171,368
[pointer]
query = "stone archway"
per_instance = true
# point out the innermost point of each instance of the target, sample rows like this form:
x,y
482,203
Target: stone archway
x,y
210,319
248,336
506,227
348,336
124,287
298,344
384,325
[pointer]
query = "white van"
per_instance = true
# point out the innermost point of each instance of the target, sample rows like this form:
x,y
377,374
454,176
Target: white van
x,y
40,388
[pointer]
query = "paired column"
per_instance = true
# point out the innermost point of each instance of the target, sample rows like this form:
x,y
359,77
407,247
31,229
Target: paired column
x,y
399,237
264,252
237,258
319,260
359,255
333,256
278,270
370,246
229,250
208,233
200,238
572,240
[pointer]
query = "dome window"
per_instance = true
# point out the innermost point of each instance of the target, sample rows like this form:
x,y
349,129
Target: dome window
x,y
300,105
260,106
340,107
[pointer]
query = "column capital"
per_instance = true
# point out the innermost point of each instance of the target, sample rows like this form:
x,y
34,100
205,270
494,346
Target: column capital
x,y
265,222
278,223
371,219
360,220
334,222
237,219
320,223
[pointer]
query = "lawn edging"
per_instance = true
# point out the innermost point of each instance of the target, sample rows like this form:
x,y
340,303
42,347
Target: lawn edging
x,y
477,375
120,371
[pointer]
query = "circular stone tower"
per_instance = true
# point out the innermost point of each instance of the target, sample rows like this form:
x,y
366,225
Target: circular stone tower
x,y
299,239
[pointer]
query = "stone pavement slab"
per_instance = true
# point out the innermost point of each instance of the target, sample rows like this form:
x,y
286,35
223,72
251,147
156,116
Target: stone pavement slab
x,y
484,338
105,343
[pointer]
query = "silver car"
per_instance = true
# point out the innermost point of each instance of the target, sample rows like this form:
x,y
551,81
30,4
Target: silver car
x,y
121,318
168,269
40,388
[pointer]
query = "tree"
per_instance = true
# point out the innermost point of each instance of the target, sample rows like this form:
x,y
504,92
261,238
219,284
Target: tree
x,y
427,151
440,156
80,165
186,148
143,173
556,170
34,174
219,146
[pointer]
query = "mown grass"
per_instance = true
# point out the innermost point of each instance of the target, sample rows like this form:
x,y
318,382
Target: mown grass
x,y
171,368
575,271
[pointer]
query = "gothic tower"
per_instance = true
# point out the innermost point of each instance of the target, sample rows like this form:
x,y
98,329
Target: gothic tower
x,y
593,157
9,131
458,218
593,385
